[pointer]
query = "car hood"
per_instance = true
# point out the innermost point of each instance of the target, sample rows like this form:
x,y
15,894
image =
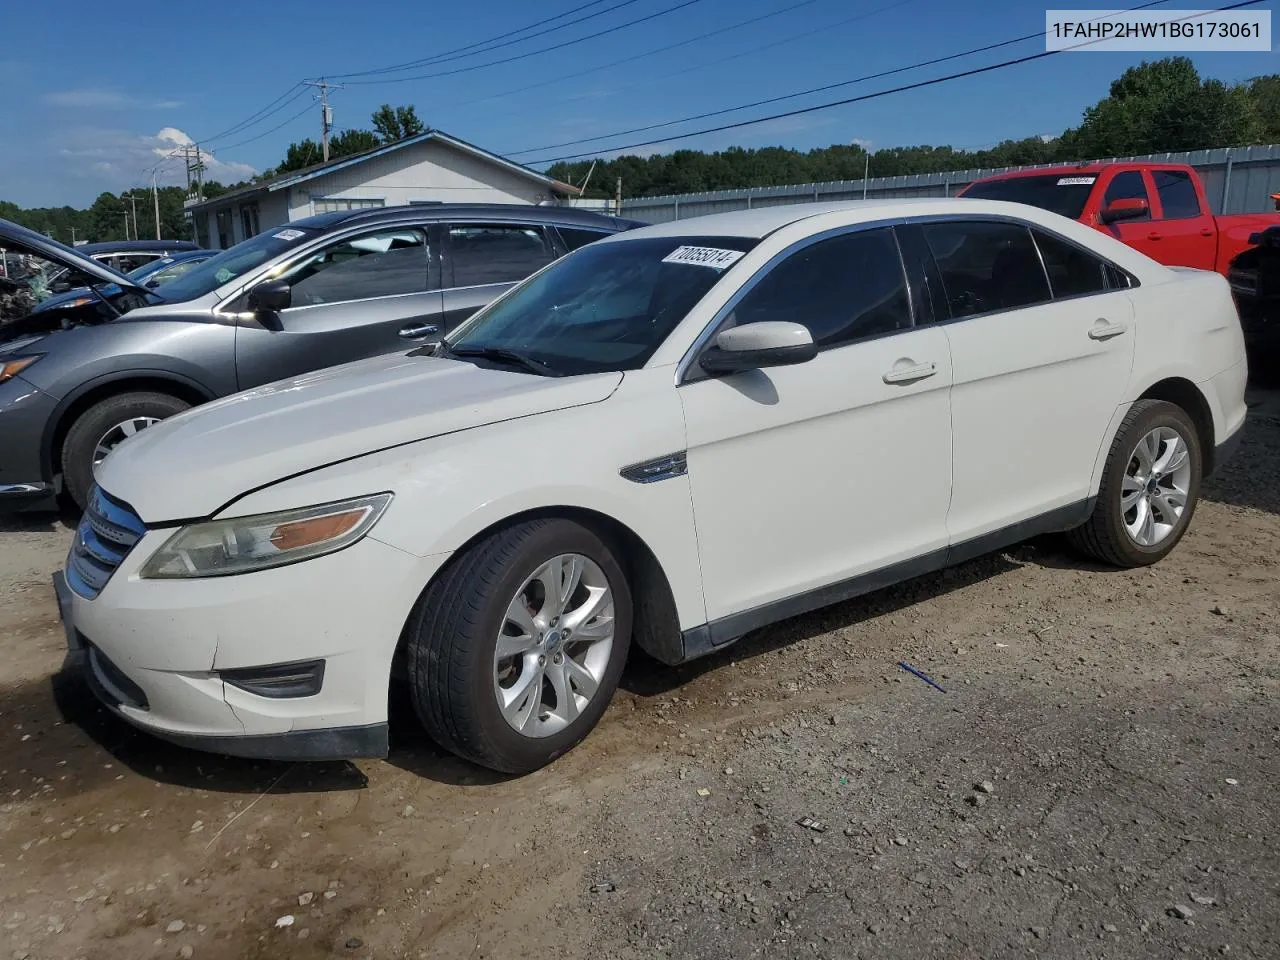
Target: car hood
x,y
14,236
194,464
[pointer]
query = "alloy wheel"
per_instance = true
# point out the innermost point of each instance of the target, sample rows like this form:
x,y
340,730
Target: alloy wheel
x,y
1154,491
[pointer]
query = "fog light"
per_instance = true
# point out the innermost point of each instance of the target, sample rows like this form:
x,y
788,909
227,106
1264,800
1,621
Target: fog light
x,y
279,681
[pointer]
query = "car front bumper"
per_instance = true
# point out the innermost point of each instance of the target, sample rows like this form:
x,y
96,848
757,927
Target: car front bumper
x,y
24,415
156,651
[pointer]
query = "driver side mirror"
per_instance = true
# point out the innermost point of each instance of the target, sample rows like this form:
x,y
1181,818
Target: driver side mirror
x,y
270,296
1130,208
770,343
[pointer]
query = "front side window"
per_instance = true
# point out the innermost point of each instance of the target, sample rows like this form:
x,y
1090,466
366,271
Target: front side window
x,y
607,306
986,266
483,254
1129,185
235,262
1073,271
843,289
1178,200
381,264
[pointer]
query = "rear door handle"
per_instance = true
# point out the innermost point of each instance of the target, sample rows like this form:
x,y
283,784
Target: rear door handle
x,y
907,370
416,331
1104,329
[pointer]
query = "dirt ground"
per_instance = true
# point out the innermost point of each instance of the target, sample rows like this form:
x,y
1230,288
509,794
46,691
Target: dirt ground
x,y
1100,778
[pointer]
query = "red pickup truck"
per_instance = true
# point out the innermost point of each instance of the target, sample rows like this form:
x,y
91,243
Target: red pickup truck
x,y
1160,209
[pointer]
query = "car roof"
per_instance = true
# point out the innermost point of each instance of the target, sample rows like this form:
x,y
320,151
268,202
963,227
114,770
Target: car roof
x,y
1094,168
762,221
565,216
130,246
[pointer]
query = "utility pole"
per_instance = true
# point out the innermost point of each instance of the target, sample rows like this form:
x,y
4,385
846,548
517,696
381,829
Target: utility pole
x,y
866,171
126,225
133,200
326,112
617,198
155,196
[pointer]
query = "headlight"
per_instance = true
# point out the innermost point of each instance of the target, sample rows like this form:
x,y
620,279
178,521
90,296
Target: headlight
x,y
221,548
11,368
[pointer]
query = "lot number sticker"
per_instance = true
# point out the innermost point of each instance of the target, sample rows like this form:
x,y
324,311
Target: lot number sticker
x,y
1075,181
712,257
288,234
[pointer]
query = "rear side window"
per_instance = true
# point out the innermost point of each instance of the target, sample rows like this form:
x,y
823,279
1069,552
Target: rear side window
x,y
843,289
1128,186
1073,271
1178,199
499,253
986,266
575,237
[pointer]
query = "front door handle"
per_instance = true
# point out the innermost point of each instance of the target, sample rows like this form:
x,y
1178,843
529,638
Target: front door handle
x,y
416,331
1155,236
907,370
1104,329
1206,232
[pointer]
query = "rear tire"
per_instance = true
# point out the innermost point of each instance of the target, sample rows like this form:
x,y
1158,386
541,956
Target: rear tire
x,y
477,699
1150,485
97,428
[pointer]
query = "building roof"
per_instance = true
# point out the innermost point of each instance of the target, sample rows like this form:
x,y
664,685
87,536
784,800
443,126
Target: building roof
x,y
294,177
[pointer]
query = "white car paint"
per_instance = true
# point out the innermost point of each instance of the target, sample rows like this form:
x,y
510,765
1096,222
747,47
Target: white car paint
x,y
796,480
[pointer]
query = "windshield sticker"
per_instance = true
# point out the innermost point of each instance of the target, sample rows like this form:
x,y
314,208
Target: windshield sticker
x,y
1075,181
712,257
288,234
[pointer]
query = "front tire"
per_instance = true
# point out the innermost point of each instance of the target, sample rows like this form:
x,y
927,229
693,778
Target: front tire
x,y
102,427
515,650
1149,488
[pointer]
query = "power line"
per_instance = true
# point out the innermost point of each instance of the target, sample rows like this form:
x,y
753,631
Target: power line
x,y
283,100
533,53
868,96
267,133
648,53
706,64
460,52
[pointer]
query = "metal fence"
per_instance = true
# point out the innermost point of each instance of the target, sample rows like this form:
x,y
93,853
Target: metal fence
x,y
1236,180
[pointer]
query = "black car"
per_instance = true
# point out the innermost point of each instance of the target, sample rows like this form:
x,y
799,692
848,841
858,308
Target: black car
x,y
314,293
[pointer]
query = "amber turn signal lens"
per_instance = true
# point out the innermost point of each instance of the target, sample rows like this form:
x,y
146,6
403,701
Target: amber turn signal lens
x,y
12,368
303,533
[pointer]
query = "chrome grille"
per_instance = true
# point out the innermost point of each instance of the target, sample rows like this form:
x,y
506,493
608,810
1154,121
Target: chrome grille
x,y
108,530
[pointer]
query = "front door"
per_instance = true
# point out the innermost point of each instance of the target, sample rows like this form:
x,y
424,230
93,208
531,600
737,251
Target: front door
x,y
482,260
1039,369
365,295
804,476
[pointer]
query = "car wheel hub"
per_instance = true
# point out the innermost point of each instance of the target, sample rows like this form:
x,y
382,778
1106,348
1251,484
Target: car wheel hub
x,y
1155,489
118,434
553,646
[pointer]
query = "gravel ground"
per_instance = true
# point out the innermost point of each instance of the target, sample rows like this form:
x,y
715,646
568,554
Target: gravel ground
x,y
1099,779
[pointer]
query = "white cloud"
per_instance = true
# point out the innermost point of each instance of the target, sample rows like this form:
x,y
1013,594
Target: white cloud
x,y
118,159
97,98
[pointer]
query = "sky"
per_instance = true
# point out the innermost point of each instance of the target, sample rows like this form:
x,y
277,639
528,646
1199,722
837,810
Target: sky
x,y
126,92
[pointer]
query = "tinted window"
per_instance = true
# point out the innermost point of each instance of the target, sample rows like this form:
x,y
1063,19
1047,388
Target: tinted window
x,y
1073,271
373,265
575,237
607,306
1178,198
1061,193
496,254
1128,186
986,266
842,289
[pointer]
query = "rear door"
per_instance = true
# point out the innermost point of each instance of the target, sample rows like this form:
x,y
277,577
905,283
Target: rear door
x,y
1182,229
1041,354
482,259
366,294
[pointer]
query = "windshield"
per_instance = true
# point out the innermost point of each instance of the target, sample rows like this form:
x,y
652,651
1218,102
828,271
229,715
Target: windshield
x,y
138,274
606,306
1060,193
234,262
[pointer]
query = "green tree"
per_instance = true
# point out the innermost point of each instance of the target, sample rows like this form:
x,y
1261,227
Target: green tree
x,y
1265,93
352,141
396,123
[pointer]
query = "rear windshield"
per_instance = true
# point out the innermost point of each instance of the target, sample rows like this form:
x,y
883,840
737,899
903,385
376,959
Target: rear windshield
x,y
234,262
1064,193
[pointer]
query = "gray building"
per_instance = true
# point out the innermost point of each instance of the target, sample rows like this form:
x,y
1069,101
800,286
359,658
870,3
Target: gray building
x,y
431,167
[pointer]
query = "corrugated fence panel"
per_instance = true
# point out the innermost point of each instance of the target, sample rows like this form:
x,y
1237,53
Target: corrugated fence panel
x,y
1236,180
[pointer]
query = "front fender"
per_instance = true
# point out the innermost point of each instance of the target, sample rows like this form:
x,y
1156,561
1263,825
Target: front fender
x,y
449,489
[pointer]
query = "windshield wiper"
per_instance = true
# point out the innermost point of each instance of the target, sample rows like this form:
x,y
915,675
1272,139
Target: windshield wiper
x,y
540,367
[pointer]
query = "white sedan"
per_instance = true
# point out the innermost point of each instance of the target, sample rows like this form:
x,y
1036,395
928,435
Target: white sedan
x,y
670,437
